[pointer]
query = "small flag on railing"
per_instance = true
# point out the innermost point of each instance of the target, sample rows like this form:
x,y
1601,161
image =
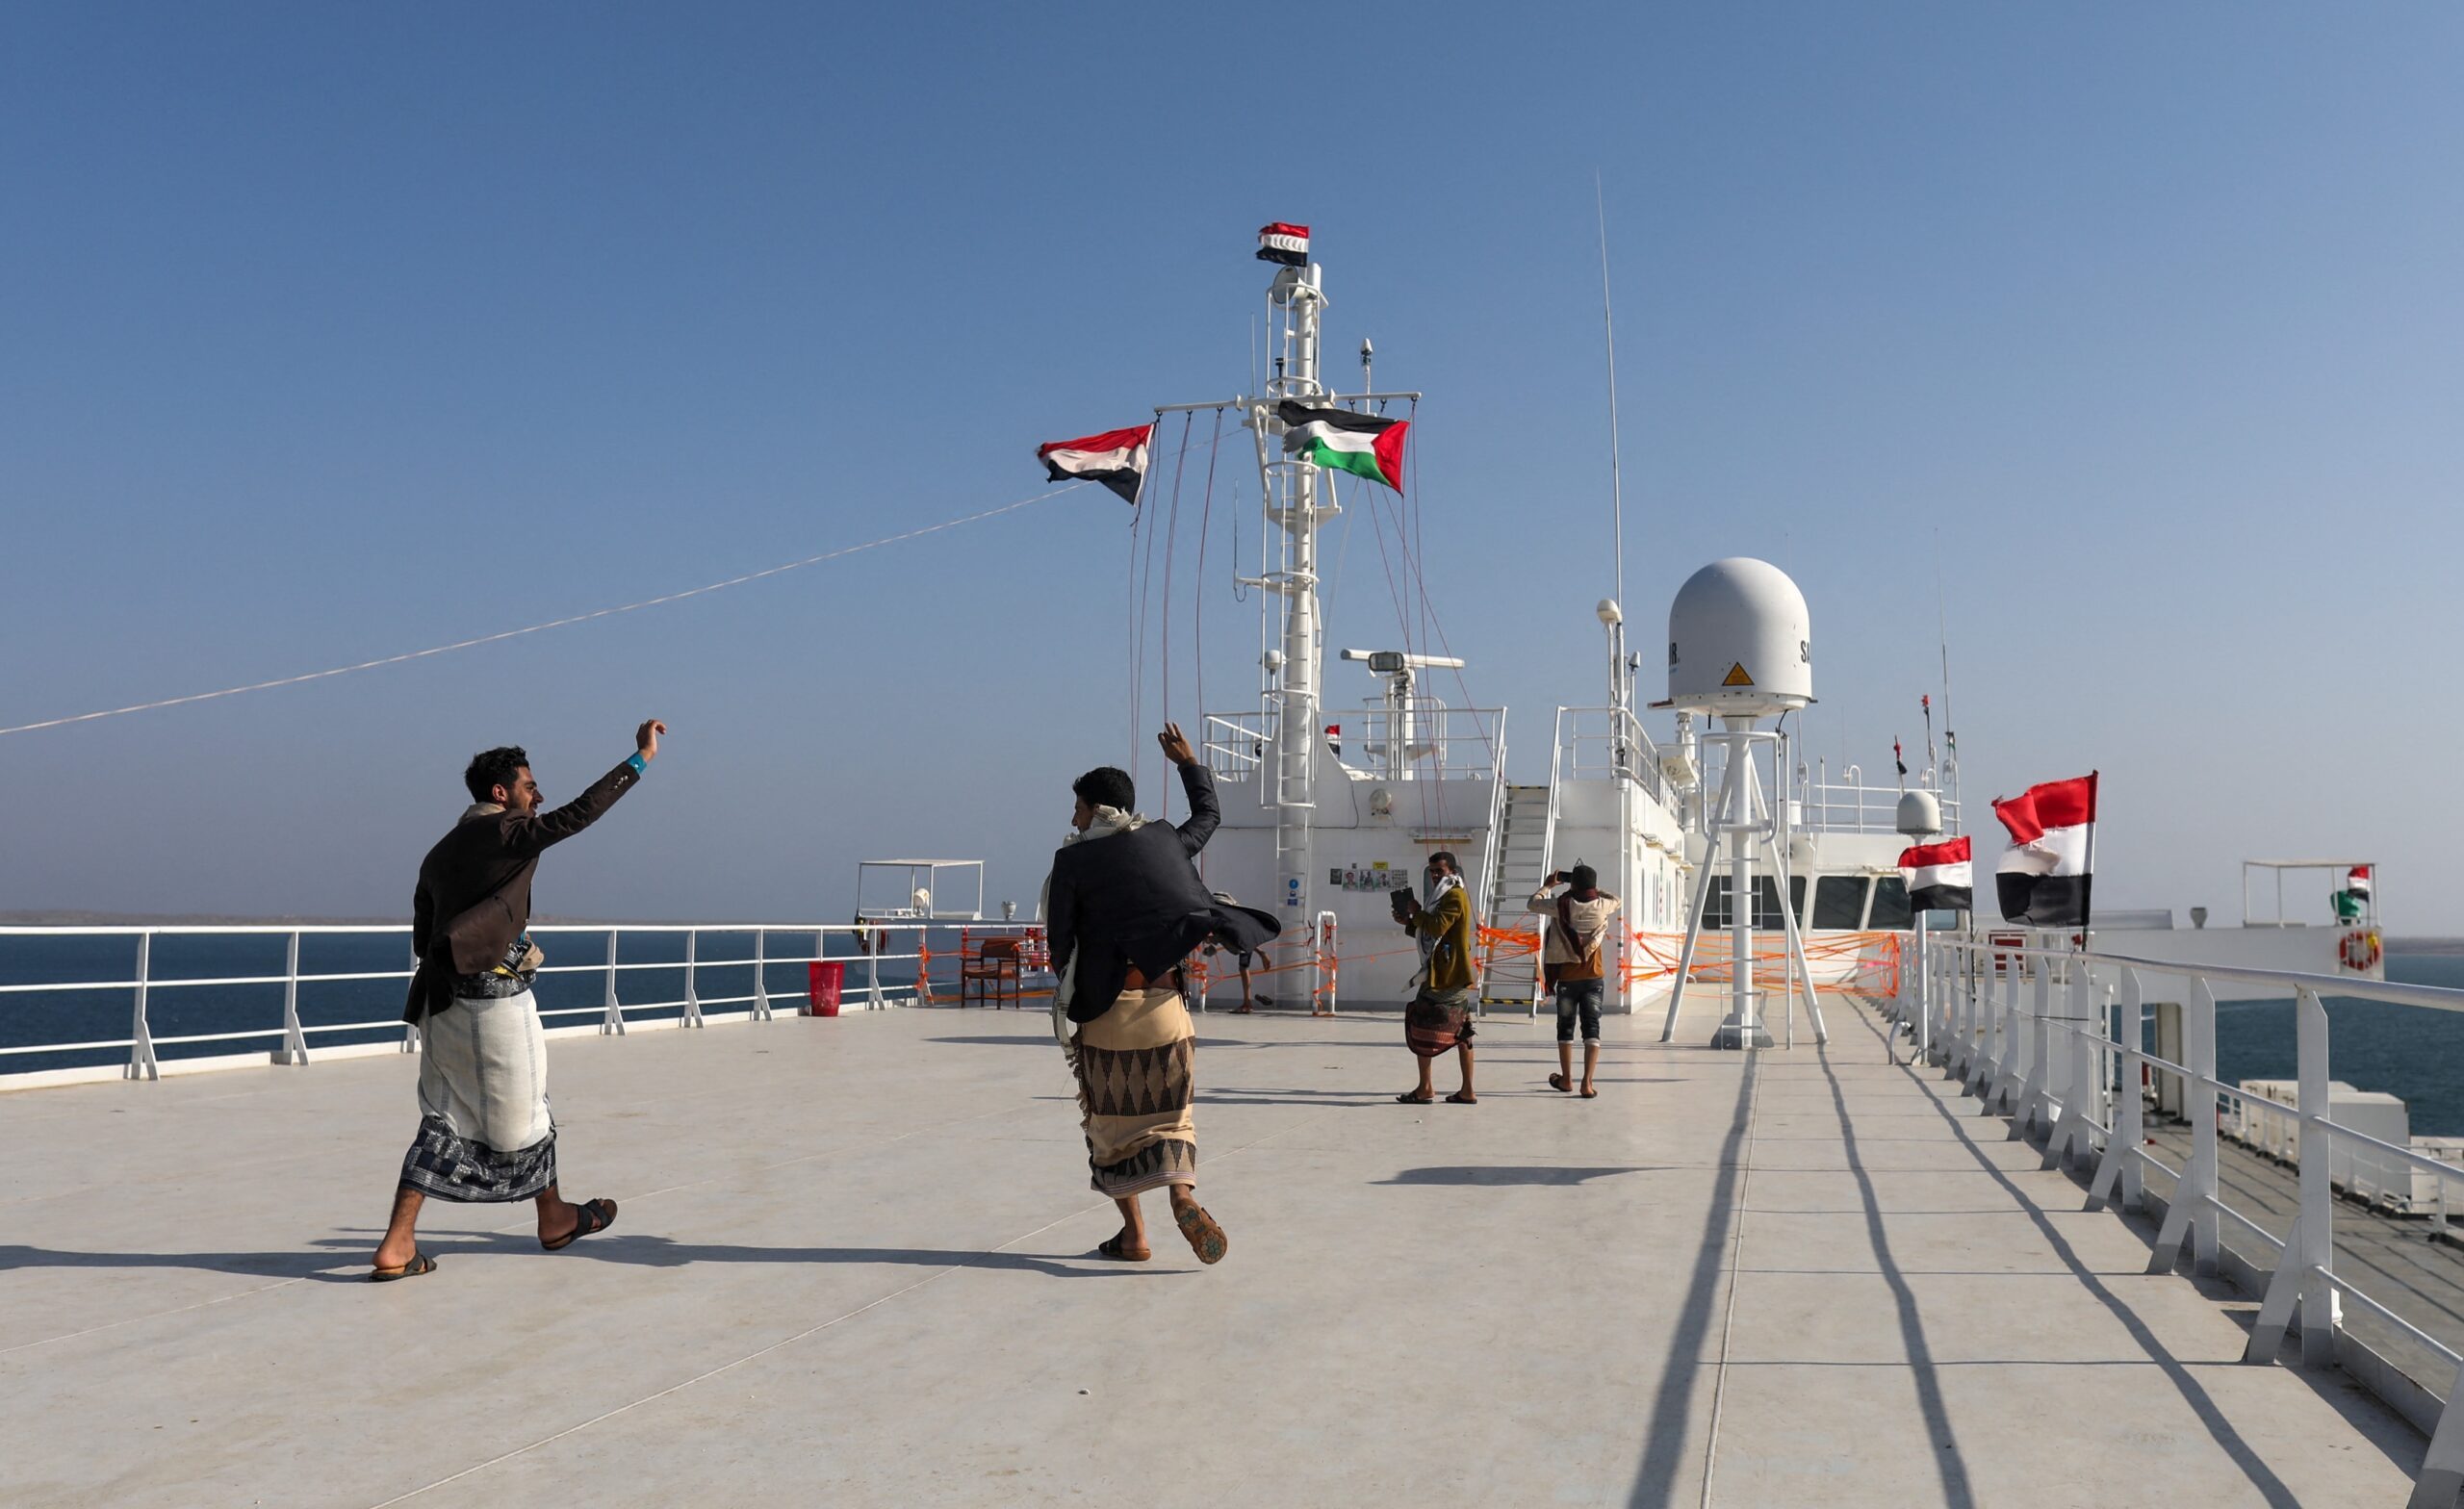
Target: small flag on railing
x,y
1897,757
2045,875
2354,899
1335,739
1940,877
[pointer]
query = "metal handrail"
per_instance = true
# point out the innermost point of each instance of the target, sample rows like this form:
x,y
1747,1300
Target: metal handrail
x,y
144,1062
2058,1067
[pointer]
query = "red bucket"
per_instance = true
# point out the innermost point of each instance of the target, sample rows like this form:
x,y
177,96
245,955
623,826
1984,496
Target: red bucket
x,y
823,980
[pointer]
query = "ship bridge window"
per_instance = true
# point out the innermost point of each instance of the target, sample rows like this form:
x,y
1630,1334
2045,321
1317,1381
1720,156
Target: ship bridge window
x,y
1891,904
1840,901
1717,913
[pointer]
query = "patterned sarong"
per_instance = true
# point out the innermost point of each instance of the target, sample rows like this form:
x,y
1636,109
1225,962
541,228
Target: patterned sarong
x,y
485,1133
1135,1082
1438,1022
457,1168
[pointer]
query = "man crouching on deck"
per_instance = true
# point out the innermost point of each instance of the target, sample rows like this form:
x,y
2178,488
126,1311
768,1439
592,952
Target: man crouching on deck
x,y
1123,906
485,1133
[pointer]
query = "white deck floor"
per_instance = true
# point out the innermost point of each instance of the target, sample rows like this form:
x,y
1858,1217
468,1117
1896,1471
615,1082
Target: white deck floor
x,y
851,1270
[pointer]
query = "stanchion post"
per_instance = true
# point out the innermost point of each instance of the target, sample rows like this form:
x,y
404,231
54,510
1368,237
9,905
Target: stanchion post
x,y
142,1062
611,1015
294,1040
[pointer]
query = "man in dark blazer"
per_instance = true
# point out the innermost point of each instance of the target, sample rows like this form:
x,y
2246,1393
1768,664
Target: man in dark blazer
x,y
485,1130
1123,908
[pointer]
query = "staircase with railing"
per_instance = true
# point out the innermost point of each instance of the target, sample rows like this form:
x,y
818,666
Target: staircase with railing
x,y
1513,978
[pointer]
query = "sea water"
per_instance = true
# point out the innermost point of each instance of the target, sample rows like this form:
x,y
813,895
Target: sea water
x,y
2408,1051
366,1010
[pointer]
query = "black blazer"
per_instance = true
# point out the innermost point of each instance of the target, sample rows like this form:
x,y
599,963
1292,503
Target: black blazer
x,y
1136,899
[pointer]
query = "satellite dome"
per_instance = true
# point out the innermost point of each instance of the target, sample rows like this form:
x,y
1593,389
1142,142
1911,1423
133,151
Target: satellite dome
x,y
1921,814
1739,641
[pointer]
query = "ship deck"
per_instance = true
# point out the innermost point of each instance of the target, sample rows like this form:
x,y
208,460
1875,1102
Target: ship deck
x,y
852,1268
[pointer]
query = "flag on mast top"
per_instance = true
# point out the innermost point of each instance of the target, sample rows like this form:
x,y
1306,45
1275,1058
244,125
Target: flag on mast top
x,y
1282,243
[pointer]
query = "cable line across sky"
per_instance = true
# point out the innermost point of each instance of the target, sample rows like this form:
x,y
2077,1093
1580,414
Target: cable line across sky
x,y
537,628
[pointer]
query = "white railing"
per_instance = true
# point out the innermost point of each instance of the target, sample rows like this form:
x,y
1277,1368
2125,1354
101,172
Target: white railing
x,y
2031,1032
1431,742
886,970
1493,836
1235,744
1595,743
1441,742
1852,806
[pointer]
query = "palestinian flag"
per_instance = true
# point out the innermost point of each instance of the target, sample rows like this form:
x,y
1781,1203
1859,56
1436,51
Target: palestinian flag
x,y
1116,458
2045,875
1940,877
1361,443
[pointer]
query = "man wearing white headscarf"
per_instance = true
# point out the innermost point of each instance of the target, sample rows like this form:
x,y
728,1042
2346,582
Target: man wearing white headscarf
x,y
1123,908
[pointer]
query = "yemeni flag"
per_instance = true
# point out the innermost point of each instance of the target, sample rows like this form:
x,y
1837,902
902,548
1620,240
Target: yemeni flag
x,y
1940,877
2043,877
1361,443
1283,244
1116,458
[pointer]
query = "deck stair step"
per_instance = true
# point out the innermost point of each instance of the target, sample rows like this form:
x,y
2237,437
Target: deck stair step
x,y
1521,852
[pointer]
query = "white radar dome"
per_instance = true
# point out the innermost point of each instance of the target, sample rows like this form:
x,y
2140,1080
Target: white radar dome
x,y
1921,814
1740,642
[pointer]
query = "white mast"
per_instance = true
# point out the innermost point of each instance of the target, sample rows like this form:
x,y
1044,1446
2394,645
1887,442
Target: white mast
x,y
1292,490
1297,298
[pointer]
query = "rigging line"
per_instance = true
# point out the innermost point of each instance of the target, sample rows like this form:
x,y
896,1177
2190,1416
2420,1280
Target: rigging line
x,y
1171,546
535,628
1145,596
1133,641
1197,596
1377,527
1412,468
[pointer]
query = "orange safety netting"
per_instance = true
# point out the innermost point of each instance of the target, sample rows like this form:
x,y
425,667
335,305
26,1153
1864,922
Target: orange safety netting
x,y
1861,963
1842,963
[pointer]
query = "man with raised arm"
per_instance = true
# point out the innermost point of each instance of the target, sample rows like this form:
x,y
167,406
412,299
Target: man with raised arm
x,y
1123,906
485,1133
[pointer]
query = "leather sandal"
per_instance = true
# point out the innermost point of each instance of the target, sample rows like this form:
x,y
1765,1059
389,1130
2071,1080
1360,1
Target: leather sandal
x,y
1206,1236
421,1263
592,1216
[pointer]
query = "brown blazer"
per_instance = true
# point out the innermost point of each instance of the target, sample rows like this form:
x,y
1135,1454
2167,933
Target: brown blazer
x,y
477,881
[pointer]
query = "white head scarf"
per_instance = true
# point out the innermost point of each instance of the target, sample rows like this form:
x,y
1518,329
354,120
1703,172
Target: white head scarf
x,y
1109,820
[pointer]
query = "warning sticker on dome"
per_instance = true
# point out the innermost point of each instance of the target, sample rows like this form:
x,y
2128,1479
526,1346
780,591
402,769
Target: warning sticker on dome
x,y
1736,675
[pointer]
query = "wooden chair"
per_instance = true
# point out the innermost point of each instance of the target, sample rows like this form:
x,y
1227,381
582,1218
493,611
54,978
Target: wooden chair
x,y
992,974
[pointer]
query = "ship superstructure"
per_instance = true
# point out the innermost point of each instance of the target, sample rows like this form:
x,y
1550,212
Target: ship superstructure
x,y
1328,807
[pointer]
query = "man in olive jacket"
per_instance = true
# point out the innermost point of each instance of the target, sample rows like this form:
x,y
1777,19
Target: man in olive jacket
x,y
485,1132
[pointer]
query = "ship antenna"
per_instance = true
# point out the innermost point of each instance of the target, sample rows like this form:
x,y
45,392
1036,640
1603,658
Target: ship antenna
x,y
1608,322
1942,621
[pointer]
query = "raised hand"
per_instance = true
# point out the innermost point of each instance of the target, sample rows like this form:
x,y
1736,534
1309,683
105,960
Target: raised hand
x,y
646,739
1176,746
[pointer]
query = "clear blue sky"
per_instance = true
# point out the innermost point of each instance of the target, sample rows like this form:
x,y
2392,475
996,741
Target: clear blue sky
x,y
333,332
